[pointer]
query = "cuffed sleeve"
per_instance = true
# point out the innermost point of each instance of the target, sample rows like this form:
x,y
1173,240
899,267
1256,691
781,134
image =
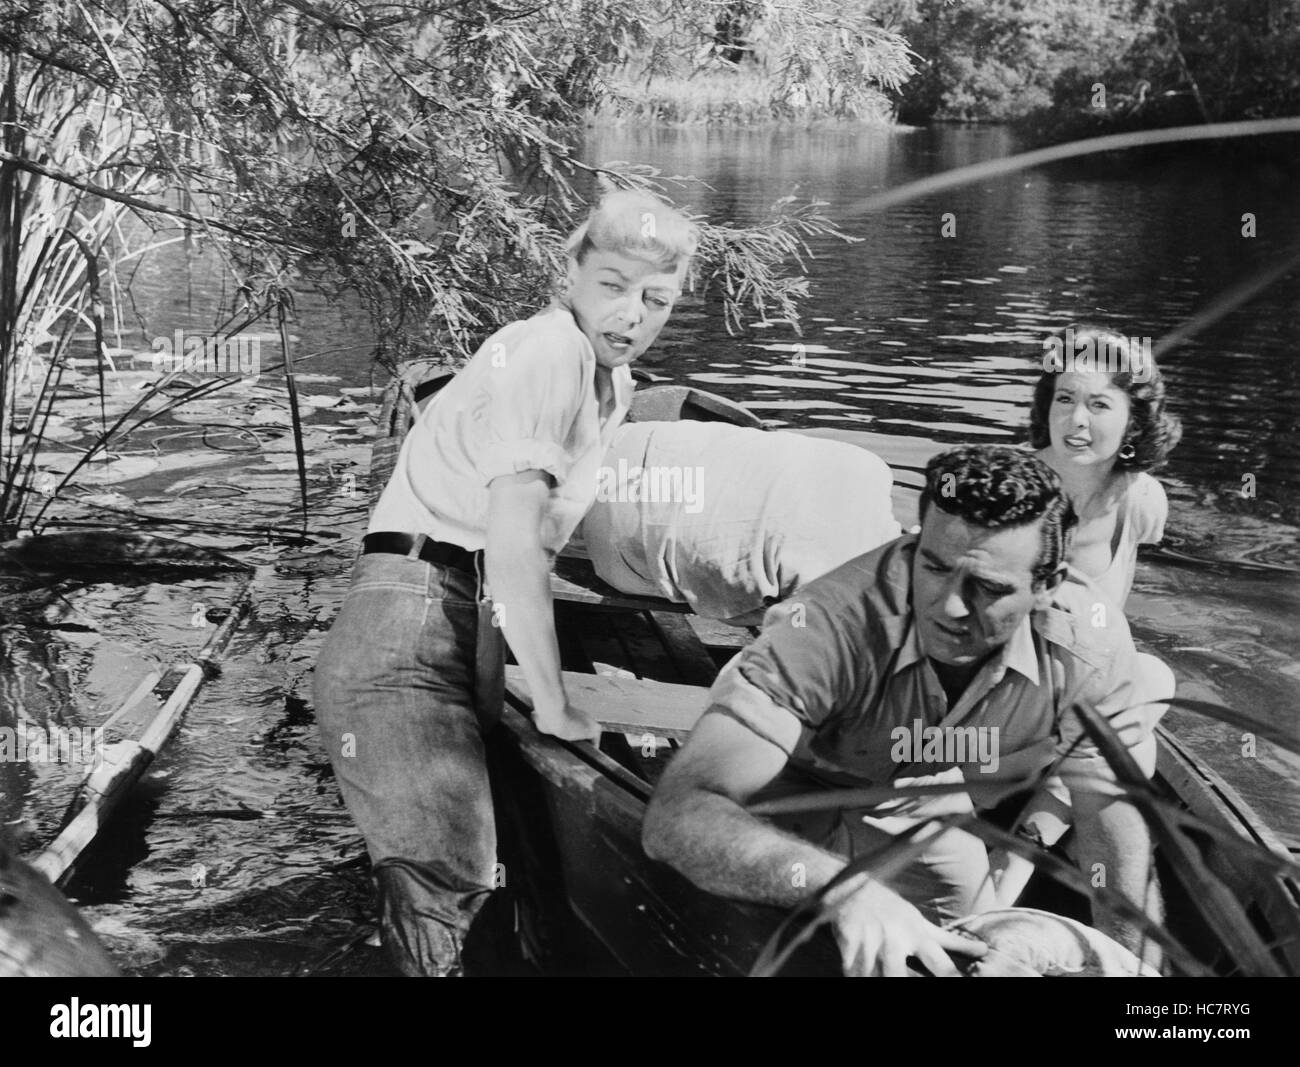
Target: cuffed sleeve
x,y
526,401
803,661
514,457
734,696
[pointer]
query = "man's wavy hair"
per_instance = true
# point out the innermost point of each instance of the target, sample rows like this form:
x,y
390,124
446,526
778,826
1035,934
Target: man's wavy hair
x,y
996,486
1152,431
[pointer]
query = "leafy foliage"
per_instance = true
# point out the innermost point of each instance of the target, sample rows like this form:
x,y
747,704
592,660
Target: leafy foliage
x,y
999,59
1200,60
833,59
416,154
419,156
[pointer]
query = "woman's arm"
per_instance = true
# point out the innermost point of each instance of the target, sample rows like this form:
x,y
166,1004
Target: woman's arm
x,y
518,574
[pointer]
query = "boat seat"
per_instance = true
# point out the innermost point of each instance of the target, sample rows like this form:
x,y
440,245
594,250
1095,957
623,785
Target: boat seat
x,y
625,705
574,580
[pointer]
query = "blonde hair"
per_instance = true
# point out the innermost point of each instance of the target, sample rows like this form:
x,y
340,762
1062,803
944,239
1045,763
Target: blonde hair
x,y
636,224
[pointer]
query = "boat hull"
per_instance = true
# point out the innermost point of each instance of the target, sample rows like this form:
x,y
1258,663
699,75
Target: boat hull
x,y
569,816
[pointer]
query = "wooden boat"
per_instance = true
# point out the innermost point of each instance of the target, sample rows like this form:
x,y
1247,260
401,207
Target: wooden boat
x,y
569,816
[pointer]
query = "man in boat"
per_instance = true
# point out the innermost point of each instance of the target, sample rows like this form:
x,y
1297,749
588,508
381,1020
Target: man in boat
x,y
731,519
977,622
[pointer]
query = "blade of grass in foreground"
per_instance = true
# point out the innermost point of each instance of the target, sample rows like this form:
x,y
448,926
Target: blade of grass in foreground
x,y
800,925
291,384
1071,877
804,921
989,793
1221,910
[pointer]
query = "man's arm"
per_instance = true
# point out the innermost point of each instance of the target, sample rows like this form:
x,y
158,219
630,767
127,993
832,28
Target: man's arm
x,y
696,820
1112,833
697,823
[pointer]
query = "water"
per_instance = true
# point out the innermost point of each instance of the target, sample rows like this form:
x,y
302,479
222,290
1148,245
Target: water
x,y
920,340
926,341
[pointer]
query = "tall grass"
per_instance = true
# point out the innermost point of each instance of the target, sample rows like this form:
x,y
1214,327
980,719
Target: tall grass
x,y
61,244
1241,931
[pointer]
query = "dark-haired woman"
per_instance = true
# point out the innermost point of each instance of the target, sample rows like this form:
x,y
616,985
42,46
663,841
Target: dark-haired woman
x,y
1099,420
1102,431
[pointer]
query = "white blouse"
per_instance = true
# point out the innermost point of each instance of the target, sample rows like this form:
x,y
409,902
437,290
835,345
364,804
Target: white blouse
x,y
527,400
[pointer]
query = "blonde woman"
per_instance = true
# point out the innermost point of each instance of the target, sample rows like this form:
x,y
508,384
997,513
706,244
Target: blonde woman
x,y
490,483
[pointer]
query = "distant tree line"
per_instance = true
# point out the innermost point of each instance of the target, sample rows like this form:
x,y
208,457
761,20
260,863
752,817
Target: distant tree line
x,y
1158,62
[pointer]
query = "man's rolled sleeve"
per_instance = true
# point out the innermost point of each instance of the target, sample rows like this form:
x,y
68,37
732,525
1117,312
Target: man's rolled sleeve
x,y
800,668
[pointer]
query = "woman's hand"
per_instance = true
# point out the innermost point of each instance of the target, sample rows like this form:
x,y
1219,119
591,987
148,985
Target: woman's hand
x,y
563,720
877,930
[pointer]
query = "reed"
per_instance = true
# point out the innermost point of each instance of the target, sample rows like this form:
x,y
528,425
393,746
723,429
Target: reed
x,y
1182,839
67,235
60,245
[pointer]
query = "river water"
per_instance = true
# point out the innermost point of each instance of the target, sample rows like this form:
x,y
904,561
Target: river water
x,y
918,339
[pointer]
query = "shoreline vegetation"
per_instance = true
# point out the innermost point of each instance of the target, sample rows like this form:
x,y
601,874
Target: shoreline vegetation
x,y
747,95
1058,71
1054,71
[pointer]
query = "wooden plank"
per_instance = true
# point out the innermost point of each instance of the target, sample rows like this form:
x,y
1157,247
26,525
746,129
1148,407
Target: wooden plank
x,y
633,706
644,652
671,403
383,459
596,593
1209,795
716,634
694,664
125,761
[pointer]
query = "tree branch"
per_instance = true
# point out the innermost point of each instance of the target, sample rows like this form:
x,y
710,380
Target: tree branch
x,y
141,205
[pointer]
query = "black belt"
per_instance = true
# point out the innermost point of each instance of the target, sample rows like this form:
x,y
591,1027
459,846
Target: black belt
x,y
440,552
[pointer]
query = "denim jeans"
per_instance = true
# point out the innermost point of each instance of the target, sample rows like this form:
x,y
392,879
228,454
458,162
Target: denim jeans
x,y
394,693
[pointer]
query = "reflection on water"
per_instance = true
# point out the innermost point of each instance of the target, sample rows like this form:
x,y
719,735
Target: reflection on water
x,y
916,339
911,333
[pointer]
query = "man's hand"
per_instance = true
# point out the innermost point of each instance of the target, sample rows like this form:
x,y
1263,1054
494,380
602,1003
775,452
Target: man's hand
x,y
878,930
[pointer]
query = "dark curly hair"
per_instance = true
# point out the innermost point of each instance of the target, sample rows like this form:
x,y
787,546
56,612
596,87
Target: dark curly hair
x,y
997,486
1152,431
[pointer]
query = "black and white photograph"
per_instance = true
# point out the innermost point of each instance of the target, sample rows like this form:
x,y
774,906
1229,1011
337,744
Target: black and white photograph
x,y
650,488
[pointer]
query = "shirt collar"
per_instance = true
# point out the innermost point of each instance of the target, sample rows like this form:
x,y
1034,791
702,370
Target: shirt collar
x,y
1018,654
910,650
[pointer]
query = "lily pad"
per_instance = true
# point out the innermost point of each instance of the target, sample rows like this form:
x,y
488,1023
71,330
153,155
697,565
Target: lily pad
x,y
266,415
107,500
125,469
